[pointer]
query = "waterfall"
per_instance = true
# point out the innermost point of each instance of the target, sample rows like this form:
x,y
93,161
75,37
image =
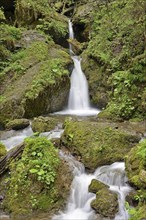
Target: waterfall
x,y
78,96
78,100
78,206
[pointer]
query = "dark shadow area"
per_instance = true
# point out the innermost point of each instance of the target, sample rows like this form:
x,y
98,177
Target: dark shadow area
x,y
9,8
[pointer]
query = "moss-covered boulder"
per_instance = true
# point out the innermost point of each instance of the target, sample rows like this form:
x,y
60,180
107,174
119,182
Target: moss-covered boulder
x,y
17,124
136,165
43,124
96,185
35,82
3,150
37,180
106,202
136,171
102,143
42,15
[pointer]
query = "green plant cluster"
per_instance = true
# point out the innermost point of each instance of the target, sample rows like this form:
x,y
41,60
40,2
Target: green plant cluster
x,y
2,16
33,176
117,44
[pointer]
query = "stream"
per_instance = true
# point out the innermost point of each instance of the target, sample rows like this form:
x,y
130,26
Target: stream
x,y
78,204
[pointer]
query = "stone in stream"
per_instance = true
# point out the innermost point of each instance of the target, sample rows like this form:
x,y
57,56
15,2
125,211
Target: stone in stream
x,y
106,202
17,124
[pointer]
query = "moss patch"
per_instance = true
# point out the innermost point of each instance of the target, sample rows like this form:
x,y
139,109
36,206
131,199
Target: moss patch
x,y
3,150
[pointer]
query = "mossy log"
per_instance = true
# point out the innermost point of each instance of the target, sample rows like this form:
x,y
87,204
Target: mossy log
x,y
12,154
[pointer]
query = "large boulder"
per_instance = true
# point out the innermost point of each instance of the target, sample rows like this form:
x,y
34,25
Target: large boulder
x,y
98,141
37,81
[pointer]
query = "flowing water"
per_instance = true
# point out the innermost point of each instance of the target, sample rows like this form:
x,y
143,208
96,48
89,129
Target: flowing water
x,y
12,138
78,206
78,101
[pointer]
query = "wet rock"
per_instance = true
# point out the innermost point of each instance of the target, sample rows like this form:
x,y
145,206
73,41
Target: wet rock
x,y
43,124
106,203
96,185
18,124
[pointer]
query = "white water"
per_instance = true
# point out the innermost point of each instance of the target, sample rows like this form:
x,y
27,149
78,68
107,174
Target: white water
x,y
78,206
78,101
12,138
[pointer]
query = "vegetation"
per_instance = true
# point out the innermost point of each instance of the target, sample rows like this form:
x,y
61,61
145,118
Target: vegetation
x,y
2,150
33,183
136,171
117,44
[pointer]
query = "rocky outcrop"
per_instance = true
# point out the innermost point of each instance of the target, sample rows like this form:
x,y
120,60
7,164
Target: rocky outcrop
x,y
101,142
37,81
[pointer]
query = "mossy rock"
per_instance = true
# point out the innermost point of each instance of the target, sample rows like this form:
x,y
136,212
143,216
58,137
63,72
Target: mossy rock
x,y
17,124
106,203
43,124
36,82
96,76
136,165
96,185
37,182
3,150
102,143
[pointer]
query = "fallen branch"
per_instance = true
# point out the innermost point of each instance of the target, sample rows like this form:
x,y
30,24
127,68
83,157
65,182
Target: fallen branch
x,y
12,154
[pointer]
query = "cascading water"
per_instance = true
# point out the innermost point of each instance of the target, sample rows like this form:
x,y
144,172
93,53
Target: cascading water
x,y
78,101
78,207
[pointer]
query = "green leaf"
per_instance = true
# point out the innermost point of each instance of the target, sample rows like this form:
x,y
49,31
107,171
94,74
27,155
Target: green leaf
x,y
33,170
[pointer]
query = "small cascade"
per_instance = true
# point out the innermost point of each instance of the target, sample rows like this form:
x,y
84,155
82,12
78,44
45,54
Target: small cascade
x,y
78,101
78,206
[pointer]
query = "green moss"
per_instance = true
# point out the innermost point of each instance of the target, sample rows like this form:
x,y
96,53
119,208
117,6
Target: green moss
x,y
136,165
2,150
96,185
34,179
93,140
43,124
105,203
